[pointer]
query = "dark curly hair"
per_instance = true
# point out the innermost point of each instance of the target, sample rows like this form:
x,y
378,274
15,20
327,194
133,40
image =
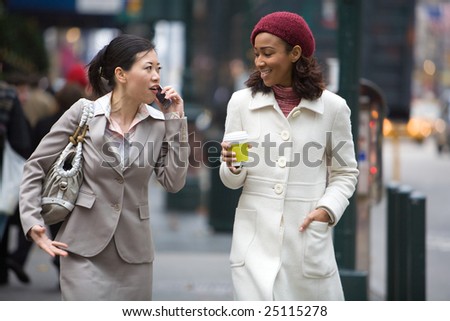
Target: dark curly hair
x,y
307,78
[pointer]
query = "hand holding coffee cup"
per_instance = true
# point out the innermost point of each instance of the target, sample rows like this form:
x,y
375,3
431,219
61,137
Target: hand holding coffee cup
x,y
235,149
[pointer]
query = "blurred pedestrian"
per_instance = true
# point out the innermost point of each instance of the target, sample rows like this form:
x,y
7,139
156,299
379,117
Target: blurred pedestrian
x,y
77,74
300,174
40,103
105,244
65,97
14,129
21,82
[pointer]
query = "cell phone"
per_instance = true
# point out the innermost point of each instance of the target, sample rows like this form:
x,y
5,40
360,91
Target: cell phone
x,y
162,99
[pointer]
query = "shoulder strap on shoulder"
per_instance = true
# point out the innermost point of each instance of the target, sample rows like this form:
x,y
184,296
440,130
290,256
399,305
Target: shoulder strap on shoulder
x,y
86,116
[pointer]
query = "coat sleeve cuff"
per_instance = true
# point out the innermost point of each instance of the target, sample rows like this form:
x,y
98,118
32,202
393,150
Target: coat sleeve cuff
x,y
333,206
230,179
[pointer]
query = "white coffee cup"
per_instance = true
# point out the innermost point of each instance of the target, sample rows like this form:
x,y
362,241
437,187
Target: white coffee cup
x,y
239,145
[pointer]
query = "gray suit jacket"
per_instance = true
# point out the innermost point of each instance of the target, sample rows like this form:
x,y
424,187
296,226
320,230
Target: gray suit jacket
x,y
113,201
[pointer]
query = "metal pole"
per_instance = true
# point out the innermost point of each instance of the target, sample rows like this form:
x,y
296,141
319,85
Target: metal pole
x,y
403,227
392,240
417,255
349,48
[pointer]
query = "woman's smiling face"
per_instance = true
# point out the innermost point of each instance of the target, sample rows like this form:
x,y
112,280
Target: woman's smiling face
x,y
273,60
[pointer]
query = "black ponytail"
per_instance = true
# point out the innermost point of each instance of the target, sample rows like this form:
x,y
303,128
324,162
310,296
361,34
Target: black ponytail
x,y
95,73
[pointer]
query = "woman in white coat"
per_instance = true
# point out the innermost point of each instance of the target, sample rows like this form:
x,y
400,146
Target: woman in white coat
x,y
300,174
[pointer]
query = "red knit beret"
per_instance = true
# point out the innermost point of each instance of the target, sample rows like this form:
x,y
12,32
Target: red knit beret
x,y
288,26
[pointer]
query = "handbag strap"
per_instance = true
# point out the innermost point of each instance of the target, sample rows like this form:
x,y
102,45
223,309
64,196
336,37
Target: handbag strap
x,y
80,132
76,140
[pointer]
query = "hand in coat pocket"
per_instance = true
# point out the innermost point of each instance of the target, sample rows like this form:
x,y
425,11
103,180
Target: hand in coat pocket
x,y
319,215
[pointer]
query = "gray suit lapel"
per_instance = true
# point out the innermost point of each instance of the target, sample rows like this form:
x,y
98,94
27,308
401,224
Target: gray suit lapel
x,y
102,145
140,139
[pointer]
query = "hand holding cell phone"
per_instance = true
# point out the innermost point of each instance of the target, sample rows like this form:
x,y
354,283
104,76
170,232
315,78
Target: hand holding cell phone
x,y
162,99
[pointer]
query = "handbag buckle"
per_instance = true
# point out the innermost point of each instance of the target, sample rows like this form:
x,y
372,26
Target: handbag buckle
x,y
63,185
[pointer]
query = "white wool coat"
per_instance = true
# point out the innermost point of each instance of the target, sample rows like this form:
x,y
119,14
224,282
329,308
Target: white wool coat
x,y
297,163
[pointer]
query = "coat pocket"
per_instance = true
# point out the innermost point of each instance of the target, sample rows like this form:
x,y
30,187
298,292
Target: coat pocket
x,y
85,200
318,256
244,230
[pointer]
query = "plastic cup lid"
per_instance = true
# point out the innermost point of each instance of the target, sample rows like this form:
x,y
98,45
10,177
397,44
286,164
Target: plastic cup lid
x,y
236,136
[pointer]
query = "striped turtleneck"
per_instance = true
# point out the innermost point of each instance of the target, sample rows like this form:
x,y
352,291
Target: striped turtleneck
x,y
286,98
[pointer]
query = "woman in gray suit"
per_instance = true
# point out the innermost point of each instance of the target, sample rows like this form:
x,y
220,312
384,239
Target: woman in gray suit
x,y
106,244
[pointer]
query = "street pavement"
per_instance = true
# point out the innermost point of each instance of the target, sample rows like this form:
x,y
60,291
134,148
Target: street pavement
x,y
191,261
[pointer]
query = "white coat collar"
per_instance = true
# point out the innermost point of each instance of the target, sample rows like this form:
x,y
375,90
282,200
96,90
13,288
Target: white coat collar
x,y
268,100
103,106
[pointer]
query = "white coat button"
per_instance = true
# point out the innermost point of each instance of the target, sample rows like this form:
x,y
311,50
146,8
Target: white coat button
x,y
285,135
116,207
296,113
282,162
278,188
